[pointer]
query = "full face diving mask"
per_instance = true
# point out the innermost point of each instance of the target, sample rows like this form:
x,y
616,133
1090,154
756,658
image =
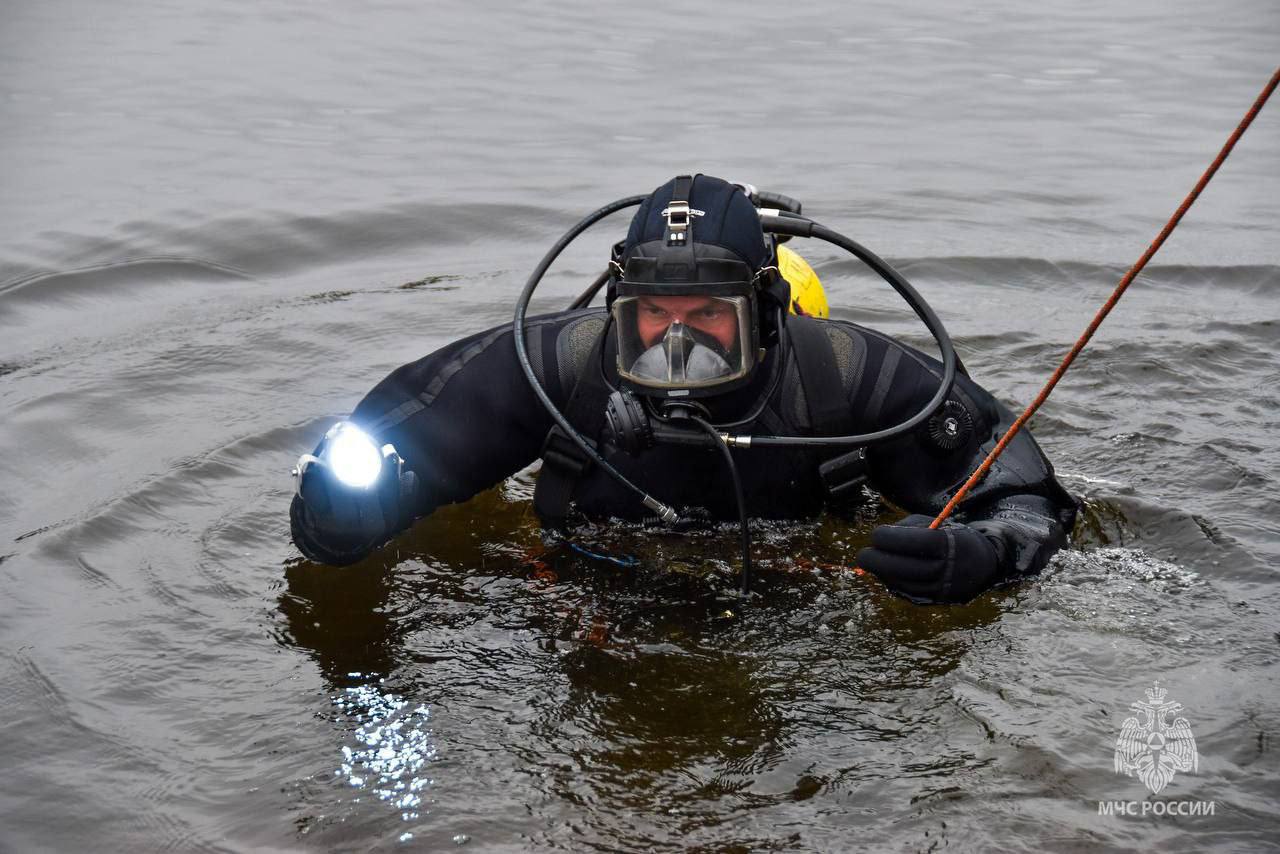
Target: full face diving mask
x,y
685,314
685,338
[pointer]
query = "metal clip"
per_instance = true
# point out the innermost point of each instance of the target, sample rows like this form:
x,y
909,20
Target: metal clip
x,y
762,271
677,214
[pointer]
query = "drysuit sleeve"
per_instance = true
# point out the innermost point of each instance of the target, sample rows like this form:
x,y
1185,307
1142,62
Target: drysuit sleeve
x,y
1019,505
462,418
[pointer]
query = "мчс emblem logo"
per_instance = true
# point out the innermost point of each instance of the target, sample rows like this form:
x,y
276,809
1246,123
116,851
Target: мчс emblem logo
x,y
1153,747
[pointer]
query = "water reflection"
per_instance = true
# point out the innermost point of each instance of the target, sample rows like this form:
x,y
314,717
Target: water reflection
x,y
340,617
393,746
577,685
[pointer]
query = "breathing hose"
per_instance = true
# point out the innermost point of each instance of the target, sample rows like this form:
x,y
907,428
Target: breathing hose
x,y
737,492
667,514
803,227
798,226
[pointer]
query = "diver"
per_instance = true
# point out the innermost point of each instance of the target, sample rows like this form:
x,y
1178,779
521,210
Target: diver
x,y
703,390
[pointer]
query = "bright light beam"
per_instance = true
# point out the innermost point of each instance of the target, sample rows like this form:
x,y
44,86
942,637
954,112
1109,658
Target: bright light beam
x,y
354,456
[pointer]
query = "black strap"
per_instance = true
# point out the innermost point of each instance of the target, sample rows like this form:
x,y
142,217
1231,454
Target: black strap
x,y
681,189
563,462
676,260
829,411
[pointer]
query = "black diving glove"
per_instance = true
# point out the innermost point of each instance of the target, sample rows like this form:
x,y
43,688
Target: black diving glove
x,y
338,524
951,564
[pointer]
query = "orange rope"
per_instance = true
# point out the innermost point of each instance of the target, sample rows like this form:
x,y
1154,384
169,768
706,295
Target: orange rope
x,y
1111,302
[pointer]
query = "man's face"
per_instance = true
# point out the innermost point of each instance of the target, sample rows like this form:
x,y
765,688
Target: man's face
x,y
712,316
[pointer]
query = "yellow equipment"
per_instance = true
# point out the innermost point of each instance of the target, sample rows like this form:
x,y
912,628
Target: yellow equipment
x,y
807,295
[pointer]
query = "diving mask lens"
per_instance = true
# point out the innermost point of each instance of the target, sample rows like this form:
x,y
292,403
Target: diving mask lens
x,y
682,342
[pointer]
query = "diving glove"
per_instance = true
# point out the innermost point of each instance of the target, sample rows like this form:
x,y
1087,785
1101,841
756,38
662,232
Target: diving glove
x,y
336,523
953,563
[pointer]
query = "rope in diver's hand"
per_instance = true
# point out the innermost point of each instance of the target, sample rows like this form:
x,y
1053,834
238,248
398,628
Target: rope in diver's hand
x,y
1111,302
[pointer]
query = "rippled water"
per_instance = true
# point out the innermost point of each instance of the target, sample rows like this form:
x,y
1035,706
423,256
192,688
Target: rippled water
x,y
220,225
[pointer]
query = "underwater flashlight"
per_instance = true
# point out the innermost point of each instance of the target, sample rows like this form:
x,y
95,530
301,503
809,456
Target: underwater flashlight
x,y
353,455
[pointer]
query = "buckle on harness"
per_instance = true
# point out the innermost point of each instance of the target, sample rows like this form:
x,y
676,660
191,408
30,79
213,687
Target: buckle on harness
x,y
845,473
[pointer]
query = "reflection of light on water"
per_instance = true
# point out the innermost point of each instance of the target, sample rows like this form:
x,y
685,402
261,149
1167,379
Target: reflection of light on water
x,y
393,745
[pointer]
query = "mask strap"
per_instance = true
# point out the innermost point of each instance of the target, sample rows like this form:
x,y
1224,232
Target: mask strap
x,y
676,263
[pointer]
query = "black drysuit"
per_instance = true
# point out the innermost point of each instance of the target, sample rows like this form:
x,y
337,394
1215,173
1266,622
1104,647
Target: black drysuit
x,y
464,418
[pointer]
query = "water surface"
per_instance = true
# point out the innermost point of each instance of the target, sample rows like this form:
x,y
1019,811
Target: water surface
x,y
220,226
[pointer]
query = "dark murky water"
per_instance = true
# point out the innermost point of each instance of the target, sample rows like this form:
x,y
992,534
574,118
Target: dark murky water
x,y
222,225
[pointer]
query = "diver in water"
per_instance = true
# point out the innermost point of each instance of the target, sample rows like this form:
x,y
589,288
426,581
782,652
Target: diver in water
x,y
632,409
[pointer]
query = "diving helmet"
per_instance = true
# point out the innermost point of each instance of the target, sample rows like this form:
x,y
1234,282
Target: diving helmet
x,y
696,274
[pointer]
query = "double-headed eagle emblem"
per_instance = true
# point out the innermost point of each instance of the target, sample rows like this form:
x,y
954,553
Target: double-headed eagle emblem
x,y
1152,747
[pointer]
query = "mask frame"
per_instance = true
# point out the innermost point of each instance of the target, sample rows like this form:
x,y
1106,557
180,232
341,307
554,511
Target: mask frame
x,y
726,279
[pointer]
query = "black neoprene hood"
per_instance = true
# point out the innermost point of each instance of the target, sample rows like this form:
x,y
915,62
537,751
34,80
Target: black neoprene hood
x,y
728,221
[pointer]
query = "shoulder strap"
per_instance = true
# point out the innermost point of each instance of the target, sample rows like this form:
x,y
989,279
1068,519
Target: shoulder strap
x,y
829,412
563,462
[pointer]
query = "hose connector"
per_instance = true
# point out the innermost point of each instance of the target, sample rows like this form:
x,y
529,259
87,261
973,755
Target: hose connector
x,y
664,512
